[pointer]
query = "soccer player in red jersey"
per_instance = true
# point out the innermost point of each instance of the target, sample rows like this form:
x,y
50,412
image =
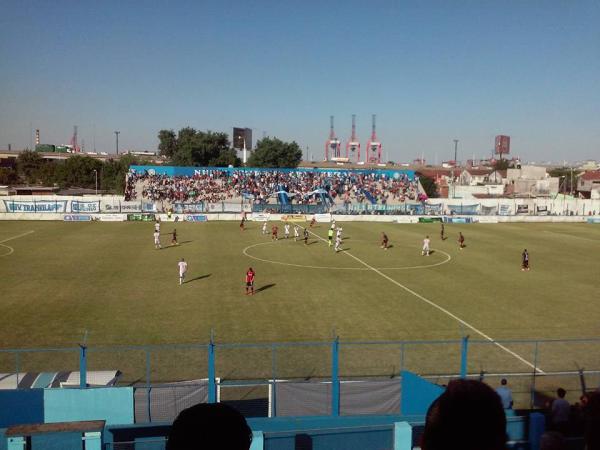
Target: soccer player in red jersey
x,y
384,241
242,223
274,232
250,281
461,241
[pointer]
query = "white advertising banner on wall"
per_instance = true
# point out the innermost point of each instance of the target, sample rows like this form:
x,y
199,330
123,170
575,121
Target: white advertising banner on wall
x,y
85,207
36,206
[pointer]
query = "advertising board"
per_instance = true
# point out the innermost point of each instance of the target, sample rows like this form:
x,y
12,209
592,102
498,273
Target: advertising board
x,y
141,217
78,206
322,217
260,217
522,209
407,219
77,218
36,206
196,218
293,218
111,217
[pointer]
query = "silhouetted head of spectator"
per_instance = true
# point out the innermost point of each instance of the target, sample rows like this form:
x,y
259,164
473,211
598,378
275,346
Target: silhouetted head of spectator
x,y
210,426
503,382
467,416
561,393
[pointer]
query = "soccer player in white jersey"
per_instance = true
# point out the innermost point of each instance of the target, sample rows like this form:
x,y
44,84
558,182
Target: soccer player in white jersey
x,y
157,226
338,243
338,233
264,228
182,270
286,230
426,242
296,232
157,240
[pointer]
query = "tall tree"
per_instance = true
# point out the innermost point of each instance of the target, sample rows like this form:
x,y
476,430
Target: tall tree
x,y
29,165
273,152
167,145
428,185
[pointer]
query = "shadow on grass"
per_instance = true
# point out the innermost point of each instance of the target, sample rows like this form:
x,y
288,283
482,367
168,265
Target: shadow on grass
x,y
199,278
264,288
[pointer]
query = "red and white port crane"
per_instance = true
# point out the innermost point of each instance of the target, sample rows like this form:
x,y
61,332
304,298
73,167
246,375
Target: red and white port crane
x,y
353,145
373,153
333,144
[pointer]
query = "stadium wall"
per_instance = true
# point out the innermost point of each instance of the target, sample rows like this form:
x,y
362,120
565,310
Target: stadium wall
x,y
115,208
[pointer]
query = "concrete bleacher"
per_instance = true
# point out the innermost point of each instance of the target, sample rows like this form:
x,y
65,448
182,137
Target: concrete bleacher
x,y
39,411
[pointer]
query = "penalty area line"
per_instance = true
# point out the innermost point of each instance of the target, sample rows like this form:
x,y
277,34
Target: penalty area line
x,y
440,308
16,237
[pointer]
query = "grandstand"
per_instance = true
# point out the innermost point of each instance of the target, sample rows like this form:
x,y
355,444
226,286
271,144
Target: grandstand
x,y
327,188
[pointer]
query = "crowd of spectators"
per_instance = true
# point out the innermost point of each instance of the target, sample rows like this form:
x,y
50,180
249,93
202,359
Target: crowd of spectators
x,y
260,187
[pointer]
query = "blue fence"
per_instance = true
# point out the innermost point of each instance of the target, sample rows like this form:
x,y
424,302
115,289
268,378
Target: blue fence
x,y
265,378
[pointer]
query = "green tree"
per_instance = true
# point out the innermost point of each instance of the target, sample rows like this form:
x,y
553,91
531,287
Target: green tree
x,y
226,158
502,164
8,176
568,178
29,165
273,152
78,171
428,185
167,145
208,147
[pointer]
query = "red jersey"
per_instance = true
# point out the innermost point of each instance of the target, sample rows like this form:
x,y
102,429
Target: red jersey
x,y
274,230
250,276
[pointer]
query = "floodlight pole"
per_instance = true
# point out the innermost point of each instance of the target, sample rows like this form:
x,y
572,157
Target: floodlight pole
x,y
244,152
96,176
455,163
117,143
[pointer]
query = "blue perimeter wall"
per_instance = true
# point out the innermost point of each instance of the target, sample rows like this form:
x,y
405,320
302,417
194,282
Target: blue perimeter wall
x,y
173,171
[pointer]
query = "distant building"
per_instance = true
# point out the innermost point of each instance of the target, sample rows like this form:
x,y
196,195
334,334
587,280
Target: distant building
x,y
475,177
588,184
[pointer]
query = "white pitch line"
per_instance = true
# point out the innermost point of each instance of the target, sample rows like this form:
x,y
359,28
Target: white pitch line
x,y
10,250
306,266
16,237
442,309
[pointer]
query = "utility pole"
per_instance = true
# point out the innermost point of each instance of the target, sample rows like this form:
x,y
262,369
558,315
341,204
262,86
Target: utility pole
x,y
455,164
117,136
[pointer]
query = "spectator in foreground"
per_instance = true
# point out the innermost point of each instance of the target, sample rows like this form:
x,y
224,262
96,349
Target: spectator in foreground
x,y
505,394
592,421
552,440
560,412
210,426
467,416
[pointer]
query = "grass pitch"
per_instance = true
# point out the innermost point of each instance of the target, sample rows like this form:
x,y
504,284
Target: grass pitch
x,y
64,279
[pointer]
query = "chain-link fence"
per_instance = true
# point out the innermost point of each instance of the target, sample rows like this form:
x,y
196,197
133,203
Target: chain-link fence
x,y
306,378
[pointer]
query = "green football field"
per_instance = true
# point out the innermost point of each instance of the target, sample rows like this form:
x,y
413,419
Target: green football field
x,y
60,281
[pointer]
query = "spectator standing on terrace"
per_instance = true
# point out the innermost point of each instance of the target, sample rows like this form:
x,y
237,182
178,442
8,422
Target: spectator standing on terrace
x,y
560,412
505,394
467,416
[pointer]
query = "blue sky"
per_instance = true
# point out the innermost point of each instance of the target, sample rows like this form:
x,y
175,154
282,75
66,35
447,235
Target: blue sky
x,y
432,71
